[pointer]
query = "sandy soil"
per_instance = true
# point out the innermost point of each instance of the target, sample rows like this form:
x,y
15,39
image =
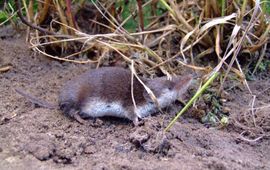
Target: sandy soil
x,y
39,138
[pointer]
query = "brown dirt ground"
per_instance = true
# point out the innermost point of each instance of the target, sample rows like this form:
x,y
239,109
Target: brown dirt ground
x,y
39,138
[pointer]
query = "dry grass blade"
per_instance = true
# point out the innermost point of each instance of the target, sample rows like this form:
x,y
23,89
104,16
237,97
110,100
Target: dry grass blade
x,y
5,68
260,58
216,21
132,84
239,43
62,16
177,14
217,42
203,30
44,11
148,90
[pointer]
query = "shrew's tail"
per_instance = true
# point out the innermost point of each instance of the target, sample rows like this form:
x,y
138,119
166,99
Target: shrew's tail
x,y
36,100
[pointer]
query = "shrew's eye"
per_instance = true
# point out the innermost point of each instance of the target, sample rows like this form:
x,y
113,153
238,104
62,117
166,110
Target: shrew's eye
x,y
170,87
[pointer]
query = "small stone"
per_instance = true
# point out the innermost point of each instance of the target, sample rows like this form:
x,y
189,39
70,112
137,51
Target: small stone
x,y
42,153
90,149
11,159
158,144
226,109
139,137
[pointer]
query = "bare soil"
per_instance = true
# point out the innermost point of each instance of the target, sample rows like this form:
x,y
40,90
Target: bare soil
x,y
40,138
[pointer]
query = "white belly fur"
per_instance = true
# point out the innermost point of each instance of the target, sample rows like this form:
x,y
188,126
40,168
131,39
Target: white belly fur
x,y
166,98
96,107
145,110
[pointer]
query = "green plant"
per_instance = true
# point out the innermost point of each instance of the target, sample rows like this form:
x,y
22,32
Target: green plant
x,y
215,115
3,16
7,13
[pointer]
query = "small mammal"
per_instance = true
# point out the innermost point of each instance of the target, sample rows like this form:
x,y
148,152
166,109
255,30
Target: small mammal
x,y
107,92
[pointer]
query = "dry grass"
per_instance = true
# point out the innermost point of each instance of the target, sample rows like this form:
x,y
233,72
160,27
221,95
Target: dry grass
x,y
199,27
